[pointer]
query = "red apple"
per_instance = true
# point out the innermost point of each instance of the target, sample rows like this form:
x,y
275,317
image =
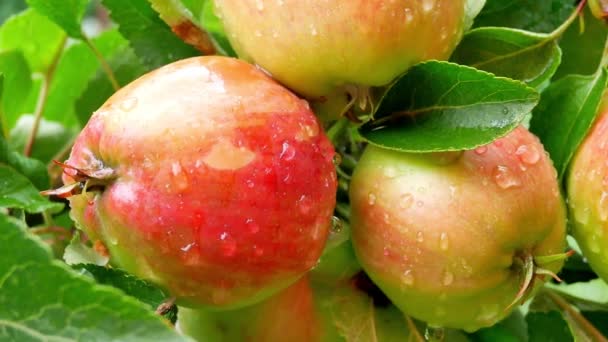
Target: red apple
x,y
208,178
454,239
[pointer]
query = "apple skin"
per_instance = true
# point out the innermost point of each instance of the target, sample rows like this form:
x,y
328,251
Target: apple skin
x,y
440,233
318,47
587,187
599,8
221,183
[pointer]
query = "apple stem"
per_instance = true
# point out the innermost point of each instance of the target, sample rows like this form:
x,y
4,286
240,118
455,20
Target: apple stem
x,y
527,268
569,312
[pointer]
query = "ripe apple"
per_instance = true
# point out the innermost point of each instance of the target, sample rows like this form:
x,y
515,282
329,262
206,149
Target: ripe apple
x,y
587,186
208,178
454,239
324,49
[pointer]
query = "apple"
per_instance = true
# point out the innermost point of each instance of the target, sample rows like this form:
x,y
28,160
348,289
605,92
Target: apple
x,y
456,239
325,49
208,178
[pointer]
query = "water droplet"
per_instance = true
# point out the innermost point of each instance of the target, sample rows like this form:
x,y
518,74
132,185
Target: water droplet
x,y
406,200
602,206
258,33
387,219
434,334
481,150
420,236
488,313
371,199
528,154
428,5
288,152
250,183
252,226
337,159
313,30
386,252
305,204
448,278
257,251
407,278
336,225
443,241
419,204
594,245
187,247
128,104
260,5
228,245
408,15
505,110
505,178
582,215
390,172
180,179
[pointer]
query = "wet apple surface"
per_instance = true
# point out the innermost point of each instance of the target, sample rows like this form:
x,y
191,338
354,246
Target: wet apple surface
x,y
445,235
217,183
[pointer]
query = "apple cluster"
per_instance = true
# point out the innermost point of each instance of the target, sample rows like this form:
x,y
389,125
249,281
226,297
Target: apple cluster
x,y
214,178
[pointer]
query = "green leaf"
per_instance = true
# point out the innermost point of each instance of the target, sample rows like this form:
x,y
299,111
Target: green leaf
x,y
441,106
526,56
16,191
33,34
42,299
150,37
77,252
7,8
17,83
77,66
582,51
214,27
548,327
131,285
51,137
126,67
587,296
33,169
531,15
65,13
565,113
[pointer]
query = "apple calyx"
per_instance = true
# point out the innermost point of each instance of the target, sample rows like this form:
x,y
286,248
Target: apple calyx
x,y
529,266
84,179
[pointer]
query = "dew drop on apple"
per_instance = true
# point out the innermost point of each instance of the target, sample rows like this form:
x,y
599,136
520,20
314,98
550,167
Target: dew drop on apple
x,y
407,278
305,204
444,242
371,198
481,150
180,180
228,245
528,154
448,278
288,152
602,206
390,172
252,226
594,245
257,33
581,215
257,251
260,5
313,30
187,247
406,200
336,225
488,313
420,236
505,178
128,104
